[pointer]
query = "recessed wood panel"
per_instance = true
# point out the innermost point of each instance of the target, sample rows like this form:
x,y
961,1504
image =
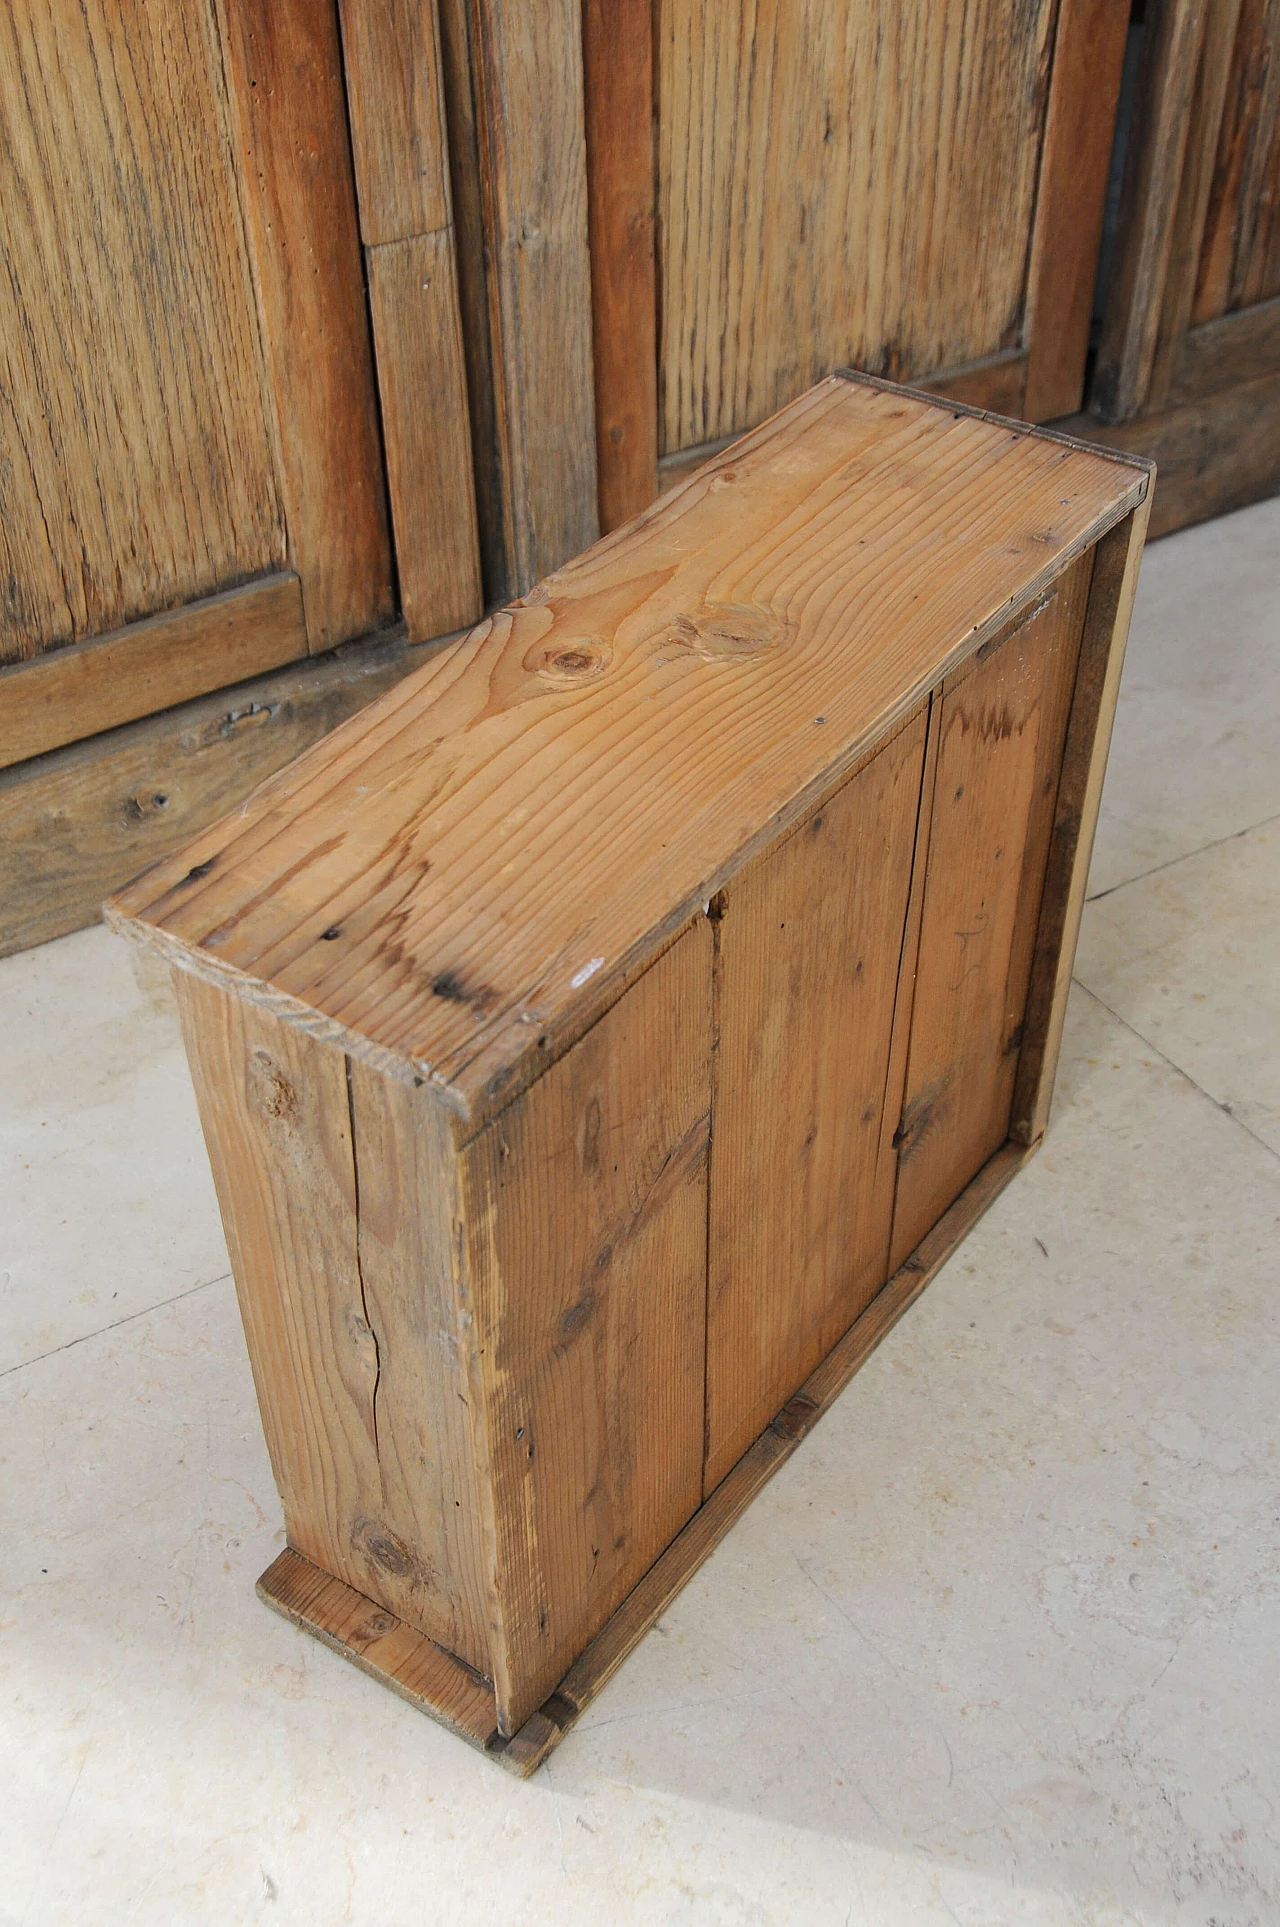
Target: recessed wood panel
x,y
135,467
1240,248
839,183
809,940
1001,728
586,1225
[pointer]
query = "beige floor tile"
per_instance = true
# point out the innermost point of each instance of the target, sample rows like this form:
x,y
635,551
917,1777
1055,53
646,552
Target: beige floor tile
x,y
1196,753
988,1650
108,1207
1190,957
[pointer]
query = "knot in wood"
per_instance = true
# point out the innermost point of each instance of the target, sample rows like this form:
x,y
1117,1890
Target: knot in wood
x,y
570,660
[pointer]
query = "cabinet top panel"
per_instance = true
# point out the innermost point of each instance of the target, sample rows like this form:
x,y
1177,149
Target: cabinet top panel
x,y
459,879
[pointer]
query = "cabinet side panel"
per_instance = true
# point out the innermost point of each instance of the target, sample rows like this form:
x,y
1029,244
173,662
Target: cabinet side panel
x,y
809,947
1001,733
350,1446
586,1213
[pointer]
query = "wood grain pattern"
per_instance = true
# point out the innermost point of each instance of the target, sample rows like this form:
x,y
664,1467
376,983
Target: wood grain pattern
x,y
149,666
1243,346
355,1379
577,777
1148,213
1088,59
1240,255
1000,733
809,941
847,183
617,59
1105,631
586,1215
135,463
422,381
526,71
395,98
81,821
284,68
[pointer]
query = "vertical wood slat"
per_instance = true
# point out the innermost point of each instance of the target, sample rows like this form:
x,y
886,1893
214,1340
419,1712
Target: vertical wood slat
x,y
375,1466
1105,632
809,944
393,70
1206,112
1145,237
586,1224
526,79
284,71
1234,270
1000,734
422,380
617,59
1088,60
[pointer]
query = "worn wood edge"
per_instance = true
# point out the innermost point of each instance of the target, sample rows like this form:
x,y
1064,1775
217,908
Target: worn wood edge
x,y
154,664
434,1681
1040,431
80,821
1083,770
294,1587
1208,464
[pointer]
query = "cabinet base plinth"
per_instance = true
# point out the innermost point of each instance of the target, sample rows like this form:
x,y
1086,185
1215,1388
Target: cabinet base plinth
x,y
439,1684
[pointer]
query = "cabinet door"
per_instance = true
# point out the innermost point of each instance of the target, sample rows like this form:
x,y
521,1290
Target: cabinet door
x,y
808,946
1001,723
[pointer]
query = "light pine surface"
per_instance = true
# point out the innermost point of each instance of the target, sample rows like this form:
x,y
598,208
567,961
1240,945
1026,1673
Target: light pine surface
x,y
511,830
136,467
809,940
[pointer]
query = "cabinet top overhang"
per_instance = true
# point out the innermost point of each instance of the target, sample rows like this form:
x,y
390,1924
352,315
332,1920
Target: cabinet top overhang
x,y
457,880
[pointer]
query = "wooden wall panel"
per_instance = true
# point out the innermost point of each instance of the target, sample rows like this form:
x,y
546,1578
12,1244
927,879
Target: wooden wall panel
x,y
1001,729
808,945
1240,255
839,184
586,1212
136,465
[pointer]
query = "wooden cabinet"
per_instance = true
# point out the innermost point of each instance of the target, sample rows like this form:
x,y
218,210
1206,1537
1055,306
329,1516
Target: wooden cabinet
x,y
587,1095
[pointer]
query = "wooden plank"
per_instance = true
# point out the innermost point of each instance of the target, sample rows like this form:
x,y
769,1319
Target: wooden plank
x,y
617,60
839,184
586,1226
284,70
809,942
395,97
1187,247
1236,348
1088,60
148,666
1084,763
600,1661
422,382
1214,455
356,1380
570,784
1144,241
1240,255
83,820
138,468
381,1645
527,80
473,294
1000,736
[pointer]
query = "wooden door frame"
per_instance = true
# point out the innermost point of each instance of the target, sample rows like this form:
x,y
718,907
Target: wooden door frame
x,y
1042,378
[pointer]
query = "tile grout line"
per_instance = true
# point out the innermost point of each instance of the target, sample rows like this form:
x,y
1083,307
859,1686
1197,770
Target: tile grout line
x,y
1177,1068
115,1325
1214,843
